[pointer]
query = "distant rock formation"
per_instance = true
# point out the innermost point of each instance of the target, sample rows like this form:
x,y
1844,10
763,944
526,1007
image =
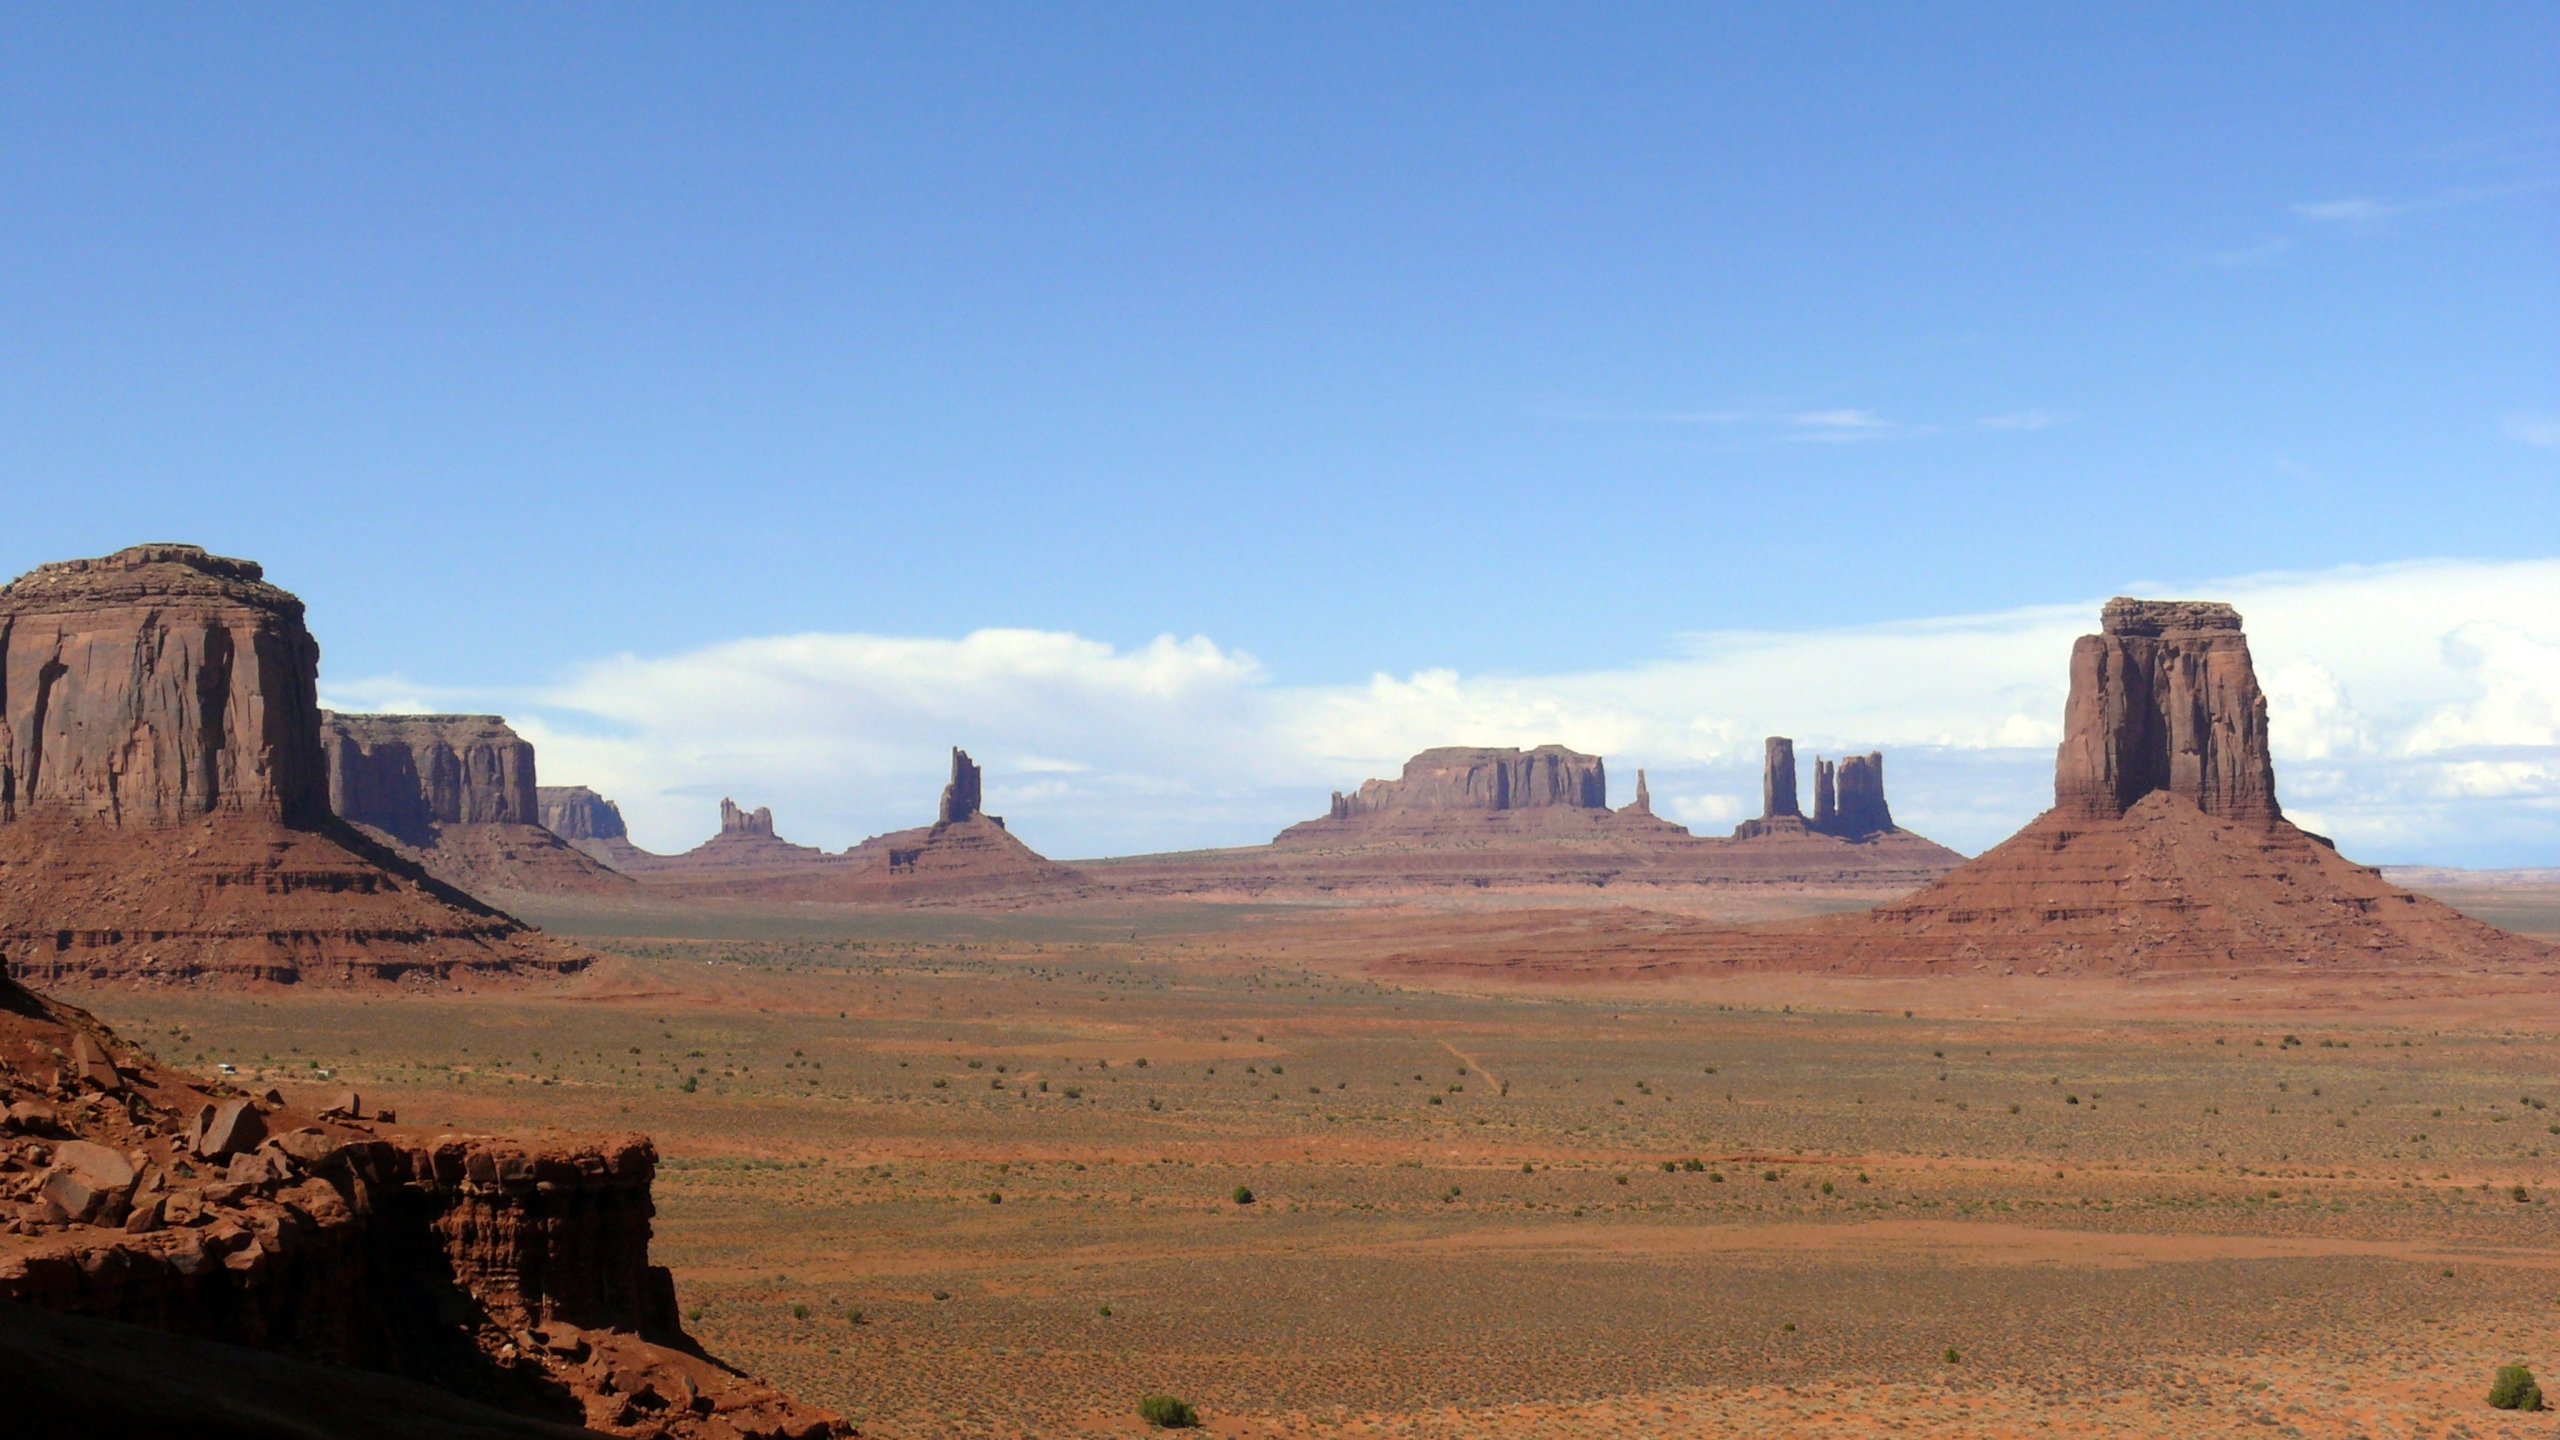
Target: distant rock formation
x,y
745,848
960,798
1778,779
1461,777
2164,852
965,856
1848,797
164,795
457,794
1861,810
593,826
406,775
734,821
575,813
1505,821
2164,698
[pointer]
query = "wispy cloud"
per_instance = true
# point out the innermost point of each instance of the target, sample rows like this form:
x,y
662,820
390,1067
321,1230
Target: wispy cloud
x,y
2366,210
2261,252
1823,425
2541,431
2415,711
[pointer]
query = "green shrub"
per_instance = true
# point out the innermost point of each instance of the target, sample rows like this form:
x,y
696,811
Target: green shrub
x,y
2514,1389
1167,1412
1242,1195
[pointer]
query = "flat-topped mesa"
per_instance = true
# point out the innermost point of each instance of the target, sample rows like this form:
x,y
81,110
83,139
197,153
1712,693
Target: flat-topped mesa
x,y
734,821
1486,778
575,813
167,796
407,774
2165,699
962,799
156,685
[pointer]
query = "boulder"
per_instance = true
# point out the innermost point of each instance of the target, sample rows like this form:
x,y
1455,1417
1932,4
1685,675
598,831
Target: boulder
x,y
91,1065
88,1183
227,1129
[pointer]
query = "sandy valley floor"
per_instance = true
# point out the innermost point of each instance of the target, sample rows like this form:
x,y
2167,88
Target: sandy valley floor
x,y
1012,1146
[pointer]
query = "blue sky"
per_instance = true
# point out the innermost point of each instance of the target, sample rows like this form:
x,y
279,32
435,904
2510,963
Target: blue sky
x,y
1501,342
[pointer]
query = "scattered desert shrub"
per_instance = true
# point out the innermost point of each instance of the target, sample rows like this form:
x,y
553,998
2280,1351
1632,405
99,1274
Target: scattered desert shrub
x,y
1167,1412
2514,1389
1951,1357
1242,1195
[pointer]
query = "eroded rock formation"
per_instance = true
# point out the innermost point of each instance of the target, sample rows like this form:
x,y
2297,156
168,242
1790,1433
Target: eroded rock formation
x,y
408,774
966,855
962,798
456,793
168,796
155,686
512,1272
575,813
2164,698
592,825
748,823
1778,779
1861,809
1484,778
2164,851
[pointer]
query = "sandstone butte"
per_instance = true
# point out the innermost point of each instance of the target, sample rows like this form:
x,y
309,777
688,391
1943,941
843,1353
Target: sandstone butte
x,y
164,797
744,850
2165,854
965,855
1476,818
591,824
404,1281
456,793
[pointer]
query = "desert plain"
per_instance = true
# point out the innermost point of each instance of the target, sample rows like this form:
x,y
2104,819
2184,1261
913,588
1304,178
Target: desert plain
x,y
984,1174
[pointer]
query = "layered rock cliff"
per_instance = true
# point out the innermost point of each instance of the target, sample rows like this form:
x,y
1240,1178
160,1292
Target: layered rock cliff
x,y
164,795
2164,698
155,686
457,794
511,1272
1483,778
592,825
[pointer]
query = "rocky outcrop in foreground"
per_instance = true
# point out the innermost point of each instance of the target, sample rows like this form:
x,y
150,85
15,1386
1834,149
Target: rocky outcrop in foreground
x,y
514,1273
164,796
455,793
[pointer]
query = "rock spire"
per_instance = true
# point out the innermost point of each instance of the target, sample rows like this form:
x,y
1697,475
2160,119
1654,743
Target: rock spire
x,y
2164,698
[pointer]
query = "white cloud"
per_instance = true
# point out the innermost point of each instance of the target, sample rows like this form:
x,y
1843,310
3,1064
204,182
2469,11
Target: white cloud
x,y
2415,709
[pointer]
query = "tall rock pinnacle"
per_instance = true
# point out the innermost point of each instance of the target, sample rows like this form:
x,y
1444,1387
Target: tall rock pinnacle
x,y
1778,779
962,799
2164,698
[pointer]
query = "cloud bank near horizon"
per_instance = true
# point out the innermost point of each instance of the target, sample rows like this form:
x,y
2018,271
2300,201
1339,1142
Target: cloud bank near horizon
x,y
2415,711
